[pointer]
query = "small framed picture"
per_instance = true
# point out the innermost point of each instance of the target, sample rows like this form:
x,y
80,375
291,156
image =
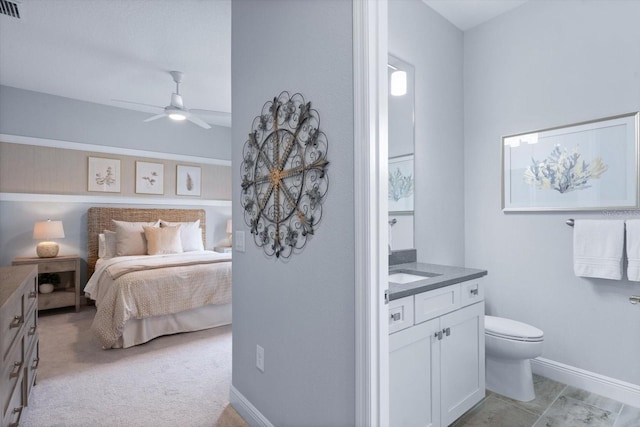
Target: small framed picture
x,y
104,175
188,180
149,178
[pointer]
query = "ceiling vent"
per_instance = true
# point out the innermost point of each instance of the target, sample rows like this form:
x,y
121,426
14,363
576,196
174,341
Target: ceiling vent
x,y
10,8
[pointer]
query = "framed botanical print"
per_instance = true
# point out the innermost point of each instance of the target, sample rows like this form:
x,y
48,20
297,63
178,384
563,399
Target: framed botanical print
x,y
104,175
188,180
149,178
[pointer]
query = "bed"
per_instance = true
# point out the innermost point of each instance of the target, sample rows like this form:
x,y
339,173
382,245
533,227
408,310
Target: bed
x,y
141,297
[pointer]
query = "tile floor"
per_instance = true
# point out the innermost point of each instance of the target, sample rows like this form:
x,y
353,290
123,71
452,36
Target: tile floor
x,y
555,405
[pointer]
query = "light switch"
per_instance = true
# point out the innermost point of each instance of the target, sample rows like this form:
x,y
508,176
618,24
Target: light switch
x,y
239,241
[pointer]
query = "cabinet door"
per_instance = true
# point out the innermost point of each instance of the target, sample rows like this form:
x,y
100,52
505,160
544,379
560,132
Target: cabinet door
x,y
414,375
462,361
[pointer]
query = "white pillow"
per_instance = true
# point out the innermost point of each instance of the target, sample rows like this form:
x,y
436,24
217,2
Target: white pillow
x,y
130,238
190,234
107,244
164,240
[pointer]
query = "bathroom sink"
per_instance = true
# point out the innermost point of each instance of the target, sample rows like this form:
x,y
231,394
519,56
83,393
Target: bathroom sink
x,y
408,276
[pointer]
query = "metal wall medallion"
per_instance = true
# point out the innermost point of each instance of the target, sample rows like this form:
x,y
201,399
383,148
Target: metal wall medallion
x,y
284,177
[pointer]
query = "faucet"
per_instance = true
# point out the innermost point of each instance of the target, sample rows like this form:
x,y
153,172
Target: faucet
x,y
392,222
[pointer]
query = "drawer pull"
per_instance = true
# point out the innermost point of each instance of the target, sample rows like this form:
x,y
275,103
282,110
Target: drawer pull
x,y
17,365
634,299
395,317
474,291
17,321
438,335
19,412
32,330
32,294
447,331
36,362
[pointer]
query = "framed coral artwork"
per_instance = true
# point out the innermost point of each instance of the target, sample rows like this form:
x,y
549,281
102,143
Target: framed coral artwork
x,y
401,184
585,166
188,180
104,175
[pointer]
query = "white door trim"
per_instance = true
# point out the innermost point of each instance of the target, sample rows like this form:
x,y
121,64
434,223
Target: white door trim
x,y
370,188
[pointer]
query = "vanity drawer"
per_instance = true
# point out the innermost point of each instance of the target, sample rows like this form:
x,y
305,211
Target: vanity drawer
x,y
471,292
400,314
436,303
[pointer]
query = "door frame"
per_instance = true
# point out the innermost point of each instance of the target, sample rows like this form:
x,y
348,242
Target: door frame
x,y
370,53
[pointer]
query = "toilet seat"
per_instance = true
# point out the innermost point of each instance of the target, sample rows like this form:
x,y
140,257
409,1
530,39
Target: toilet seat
x,y
511,329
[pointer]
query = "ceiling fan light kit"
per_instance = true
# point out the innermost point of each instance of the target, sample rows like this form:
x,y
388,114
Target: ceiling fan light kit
x,y
177,111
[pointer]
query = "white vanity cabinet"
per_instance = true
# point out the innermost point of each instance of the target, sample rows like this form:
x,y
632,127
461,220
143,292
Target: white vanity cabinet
x,y
436,366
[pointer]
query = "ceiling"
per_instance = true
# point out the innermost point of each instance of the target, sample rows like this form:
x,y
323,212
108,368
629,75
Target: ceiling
x,y
466,14
101,50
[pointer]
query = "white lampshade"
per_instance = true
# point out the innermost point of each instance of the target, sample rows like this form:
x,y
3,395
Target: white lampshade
x,y
47,230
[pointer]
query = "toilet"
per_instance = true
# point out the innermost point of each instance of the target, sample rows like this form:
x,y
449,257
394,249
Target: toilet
x,y
509,347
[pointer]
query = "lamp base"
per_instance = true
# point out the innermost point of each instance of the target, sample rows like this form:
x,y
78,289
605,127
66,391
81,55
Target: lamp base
x,y
47,249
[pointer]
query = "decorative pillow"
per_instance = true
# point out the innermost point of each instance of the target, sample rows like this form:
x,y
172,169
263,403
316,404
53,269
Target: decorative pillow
x,y
190,234
164,240
130,239
107,244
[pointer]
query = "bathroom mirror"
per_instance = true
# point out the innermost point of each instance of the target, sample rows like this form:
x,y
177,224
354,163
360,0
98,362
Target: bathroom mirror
x,y
401,154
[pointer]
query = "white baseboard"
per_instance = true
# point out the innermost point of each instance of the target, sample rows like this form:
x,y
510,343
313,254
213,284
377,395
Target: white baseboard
x,y
621,391
246,410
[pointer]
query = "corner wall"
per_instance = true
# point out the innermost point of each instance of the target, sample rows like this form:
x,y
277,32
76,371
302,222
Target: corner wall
x,y
420,36
300,310
541,65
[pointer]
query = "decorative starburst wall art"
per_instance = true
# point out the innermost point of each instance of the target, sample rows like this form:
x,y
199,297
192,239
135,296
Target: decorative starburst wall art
x,y
284,175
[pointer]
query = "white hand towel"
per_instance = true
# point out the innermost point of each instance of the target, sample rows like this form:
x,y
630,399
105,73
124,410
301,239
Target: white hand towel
x,y
633,249
597,248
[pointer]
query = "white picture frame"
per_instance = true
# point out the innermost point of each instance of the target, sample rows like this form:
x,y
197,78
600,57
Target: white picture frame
x,y
103,175
149,178
188,180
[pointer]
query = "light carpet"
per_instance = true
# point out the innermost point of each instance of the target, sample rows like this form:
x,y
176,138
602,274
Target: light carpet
x,y
177,380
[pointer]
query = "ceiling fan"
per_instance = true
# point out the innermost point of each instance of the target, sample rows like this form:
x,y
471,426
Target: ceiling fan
x,y
177,111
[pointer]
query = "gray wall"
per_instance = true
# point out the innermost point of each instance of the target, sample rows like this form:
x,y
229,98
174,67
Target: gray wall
x,y
541,65
423,38
27,113
301,311
34,114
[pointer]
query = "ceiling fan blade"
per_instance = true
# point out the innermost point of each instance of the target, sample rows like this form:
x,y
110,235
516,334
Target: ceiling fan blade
x,y
122,101
218,118
197,120
156,117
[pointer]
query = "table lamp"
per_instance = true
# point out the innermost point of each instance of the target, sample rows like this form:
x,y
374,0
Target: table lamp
x,y
47,230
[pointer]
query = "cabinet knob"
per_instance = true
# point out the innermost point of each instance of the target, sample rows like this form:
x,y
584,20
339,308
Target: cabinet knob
x,y
395,317
438,335
474,291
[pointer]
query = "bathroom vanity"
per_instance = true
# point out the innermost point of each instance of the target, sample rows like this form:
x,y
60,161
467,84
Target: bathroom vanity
x,y
436,343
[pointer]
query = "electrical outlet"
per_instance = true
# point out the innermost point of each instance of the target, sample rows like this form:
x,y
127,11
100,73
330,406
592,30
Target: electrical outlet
x,y
260,358
239,241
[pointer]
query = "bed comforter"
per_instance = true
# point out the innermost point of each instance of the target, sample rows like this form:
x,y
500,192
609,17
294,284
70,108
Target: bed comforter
x,y
136,287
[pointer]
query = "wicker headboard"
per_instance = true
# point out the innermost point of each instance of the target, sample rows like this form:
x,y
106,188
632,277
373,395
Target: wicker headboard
x,y
99,219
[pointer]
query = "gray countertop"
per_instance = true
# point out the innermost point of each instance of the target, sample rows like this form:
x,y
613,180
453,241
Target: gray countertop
x,y
448,275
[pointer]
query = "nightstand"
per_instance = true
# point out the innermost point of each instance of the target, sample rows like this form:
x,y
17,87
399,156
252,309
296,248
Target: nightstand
x,y
223,249
68,266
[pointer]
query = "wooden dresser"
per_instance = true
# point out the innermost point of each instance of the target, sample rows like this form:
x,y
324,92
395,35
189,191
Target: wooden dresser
x,y
18,339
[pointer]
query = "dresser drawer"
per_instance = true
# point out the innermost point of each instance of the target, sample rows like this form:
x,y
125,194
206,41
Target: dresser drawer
x,y
11,321
56,266
400,314
471,292
31,331
13,409
12,370
436,303
31,361
31,296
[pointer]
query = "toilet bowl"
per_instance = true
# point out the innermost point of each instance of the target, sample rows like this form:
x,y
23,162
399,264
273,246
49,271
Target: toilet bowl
x,y
509,347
